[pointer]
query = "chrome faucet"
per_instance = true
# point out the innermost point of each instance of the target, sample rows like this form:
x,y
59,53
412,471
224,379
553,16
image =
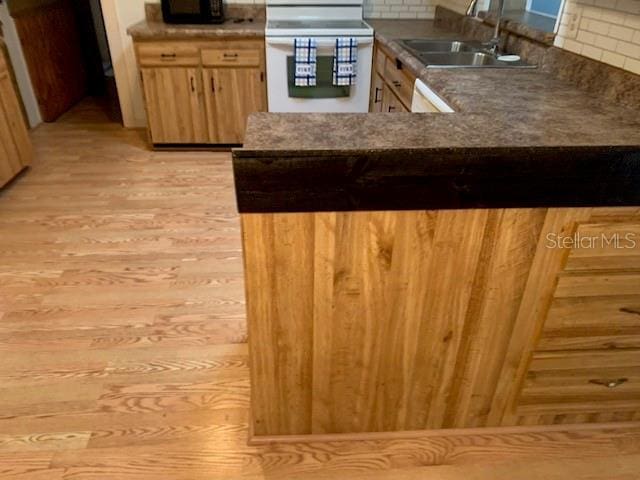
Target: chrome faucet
x,y
494,43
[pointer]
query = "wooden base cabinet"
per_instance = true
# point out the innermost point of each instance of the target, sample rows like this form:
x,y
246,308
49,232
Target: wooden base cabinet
x,y
391,85
15,146
201,92
174,105
397,321
232,95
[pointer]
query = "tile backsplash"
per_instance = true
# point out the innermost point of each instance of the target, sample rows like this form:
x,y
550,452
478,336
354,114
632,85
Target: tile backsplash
x,y
397,8
604,30
400,8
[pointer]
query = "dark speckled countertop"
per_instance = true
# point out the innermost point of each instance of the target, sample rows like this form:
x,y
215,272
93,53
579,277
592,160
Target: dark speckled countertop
x,y
494,107
157,30
518,138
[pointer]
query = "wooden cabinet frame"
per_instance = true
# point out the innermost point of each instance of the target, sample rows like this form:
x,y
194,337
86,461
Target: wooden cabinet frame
x,y
201,92
391,85
15,145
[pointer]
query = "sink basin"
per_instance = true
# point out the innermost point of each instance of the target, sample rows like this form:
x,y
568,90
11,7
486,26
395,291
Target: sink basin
x,y
467,59
427,46
457,54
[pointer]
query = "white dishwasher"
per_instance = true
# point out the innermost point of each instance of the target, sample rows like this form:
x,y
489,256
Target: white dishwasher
x,y
426,100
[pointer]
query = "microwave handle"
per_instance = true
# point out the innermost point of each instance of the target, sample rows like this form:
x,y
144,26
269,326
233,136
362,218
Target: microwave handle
x,y
288,42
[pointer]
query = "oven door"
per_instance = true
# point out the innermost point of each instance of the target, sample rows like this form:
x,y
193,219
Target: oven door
x,y
285,97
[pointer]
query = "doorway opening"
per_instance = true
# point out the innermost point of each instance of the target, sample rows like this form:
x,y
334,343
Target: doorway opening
x,y
65,48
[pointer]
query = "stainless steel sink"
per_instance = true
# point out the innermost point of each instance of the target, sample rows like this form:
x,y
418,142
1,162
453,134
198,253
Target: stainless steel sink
x,y
426,46
457,54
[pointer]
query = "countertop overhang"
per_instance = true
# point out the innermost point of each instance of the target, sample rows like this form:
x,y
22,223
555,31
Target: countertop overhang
x,y
518,138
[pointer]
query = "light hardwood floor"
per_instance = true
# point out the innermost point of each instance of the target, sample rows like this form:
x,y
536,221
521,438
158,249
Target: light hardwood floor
x,y
122,336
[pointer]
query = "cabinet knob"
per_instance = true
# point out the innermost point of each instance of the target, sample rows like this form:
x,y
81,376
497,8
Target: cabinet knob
x,y
610,383
397,83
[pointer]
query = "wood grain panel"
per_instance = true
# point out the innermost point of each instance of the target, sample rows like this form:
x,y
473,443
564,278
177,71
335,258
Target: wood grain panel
x,y
606,246
232,94
278,254
598,285
115,216
406,320
231,57
52,48
586,381
174,105
168,54
532,311
15,145
592,323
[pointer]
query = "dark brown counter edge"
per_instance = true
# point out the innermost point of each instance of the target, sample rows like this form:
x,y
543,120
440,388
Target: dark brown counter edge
x,y
429,179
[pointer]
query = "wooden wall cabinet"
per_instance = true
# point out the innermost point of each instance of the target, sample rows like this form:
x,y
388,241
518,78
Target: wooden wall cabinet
x,y
201,92
15,146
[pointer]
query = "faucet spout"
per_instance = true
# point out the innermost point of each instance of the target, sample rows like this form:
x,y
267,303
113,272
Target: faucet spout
x,y
495,41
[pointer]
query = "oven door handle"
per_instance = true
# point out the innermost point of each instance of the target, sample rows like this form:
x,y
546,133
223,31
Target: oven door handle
x,y
321,43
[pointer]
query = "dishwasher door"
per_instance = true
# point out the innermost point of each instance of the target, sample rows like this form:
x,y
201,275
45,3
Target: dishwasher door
x,y
426,100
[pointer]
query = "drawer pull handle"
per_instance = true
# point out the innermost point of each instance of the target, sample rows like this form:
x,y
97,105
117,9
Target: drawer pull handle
x,y
376,99
632,311
168,55
230,55
397,83
610,383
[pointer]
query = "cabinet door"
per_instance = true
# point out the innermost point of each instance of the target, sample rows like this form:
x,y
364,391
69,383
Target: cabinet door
x,y
174,105
377,90
15,147
391,103
232,94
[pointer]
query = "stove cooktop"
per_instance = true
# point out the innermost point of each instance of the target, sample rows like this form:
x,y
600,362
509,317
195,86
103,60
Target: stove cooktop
x,y
317,25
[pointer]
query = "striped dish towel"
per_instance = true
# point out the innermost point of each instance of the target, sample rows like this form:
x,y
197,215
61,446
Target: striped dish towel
x,y
305,56
345,61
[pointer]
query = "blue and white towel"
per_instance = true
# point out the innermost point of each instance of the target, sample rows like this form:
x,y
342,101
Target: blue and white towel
x,y
345,61
305,61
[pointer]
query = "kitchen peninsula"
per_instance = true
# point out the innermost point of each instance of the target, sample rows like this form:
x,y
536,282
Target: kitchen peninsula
x,y
401,269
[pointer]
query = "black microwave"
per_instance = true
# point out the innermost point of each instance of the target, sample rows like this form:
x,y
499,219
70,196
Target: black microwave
x,y
193,11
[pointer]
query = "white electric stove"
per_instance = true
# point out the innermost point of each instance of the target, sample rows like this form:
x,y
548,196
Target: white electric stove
x,y
324,20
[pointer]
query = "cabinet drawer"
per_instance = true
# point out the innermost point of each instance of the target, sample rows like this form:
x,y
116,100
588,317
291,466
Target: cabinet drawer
x,y
380,61
230,57
606,246
592,323
168,54
400,82
598,284
581,381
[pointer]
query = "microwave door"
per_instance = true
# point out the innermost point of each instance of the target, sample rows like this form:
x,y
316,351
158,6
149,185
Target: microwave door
x,y
184,7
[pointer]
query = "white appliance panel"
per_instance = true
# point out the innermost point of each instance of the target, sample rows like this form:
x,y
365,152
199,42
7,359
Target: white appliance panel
x,y
279,48
426,100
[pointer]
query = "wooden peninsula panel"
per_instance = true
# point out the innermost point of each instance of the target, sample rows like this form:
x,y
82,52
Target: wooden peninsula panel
x,y
407,320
